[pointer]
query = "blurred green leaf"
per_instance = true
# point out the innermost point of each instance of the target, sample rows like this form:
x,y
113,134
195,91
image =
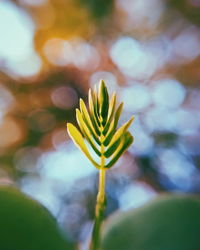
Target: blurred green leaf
x,y
98,8
171,222
25,224
189,9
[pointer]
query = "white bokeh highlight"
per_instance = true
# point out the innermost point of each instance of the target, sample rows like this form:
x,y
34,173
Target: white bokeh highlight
x,y
168,93
16,45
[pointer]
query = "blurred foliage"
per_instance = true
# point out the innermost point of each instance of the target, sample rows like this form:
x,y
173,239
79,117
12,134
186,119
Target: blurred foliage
x,y
98,8
25,224
69,19
166,139
169,222
190,9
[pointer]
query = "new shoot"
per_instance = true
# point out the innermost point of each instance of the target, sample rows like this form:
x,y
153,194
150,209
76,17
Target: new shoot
x,y
98,125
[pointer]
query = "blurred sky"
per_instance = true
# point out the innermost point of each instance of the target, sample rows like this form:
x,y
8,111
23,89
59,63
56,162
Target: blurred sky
x,y
52,52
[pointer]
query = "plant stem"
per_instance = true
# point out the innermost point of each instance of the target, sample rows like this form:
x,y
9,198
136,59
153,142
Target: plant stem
x,y
100,204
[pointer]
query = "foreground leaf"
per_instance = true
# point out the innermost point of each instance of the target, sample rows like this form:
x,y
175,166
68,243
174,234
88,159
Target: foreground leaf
x,y
26,225
170,222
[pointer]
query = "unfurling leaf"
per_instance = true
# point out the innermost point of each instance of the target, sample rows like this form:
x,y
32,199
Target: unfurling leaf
x,y
88,122
79,141
103,99
112,149
92,112
110,113
113,125
125,143
99,127
120,132
86,132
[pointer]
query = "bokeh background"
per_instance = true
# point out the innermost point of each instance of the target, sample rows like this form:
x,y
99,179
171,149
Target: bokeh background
x,y
52,52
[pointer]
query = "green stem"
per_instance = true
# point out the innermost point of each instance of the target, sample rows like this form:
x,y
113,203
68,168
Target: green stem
x,y
100,204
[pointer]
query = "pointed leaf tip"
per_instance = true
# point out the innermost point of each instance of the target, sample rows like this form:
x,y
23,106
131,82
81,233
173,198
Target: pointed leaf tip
x,y
103,98
81,102
120,131
102,84
110,130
